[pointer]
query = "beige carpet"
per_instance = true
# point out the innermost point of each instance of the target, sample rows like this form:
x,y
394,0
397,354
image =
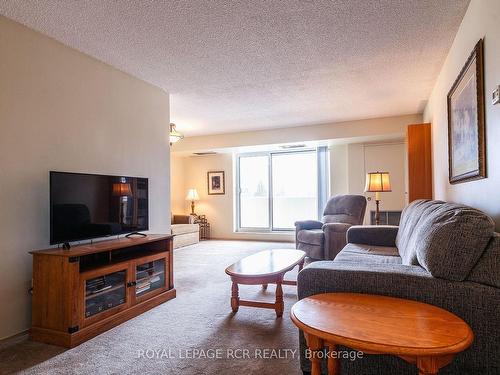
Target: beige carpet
x,y
200,318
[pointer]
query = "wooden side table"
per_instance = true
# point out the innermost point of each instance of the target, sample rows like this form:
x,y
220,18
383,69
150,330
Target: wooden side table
x,y
422,334
202,221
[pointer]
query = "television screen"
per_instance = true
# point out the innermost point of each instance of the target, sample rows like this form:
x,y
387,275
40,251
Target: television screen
x,y
85,206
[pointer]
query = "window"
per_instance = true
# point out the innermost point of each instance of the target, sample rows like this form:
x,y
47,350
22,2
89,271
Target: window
x,y
275,189
254,192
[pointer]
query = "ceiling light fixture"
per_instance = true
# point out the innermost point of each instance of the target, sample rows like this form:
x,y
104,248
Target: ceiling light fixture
x,y
174,134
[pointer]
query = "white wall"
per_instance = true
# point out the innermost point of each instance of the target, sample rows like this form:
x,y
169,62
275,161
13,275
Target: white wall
x,y
387,157
177,184
339,171
381,127
348,168
62,110
482,20
219,209
390,158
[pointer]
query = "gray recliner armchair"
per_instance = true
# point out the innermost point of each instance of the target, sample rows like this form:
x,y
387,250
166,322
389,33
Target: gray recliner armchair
x,y
324,239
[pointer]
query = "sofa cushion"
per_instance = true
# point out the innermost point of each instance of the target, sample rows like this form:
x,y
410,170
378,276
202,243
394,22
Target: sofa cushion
x,y
406,239
447,239
184,228
487,269
361,253
311,236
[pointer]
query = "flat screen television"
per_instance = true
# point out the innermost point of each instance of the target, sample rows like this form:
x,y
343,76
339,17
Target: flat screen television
x,y
85,206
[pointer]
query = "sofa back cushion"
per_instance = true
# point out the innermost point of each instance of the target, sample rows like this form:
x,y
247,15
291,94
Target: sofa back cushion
x,y
406,239
447,239
349,209
487,269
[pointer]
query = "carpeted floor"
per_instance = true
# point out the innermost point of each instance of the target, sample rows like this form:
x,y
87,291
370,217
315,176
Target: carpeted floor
x,y
198,323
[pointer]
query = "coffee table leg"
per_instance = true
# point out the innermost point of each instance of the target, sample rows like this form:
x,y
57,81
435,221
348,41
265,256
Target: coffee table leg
x,y
315,345
279,304
333,362
235,299
431,365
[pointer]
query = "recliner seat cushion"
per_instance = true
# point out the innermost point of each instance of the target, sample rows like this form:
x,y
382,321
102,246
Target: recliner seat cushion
x,y
447,239
311,236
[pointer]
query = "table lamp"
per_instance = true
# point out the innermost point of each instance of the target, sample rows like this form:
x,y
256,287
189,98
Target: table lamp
x,y
377,182
122,190
192,195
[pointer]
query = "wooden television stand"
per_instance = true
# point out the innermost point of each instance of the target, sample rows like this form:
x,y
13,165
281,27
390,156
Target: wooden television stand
x,y
88,289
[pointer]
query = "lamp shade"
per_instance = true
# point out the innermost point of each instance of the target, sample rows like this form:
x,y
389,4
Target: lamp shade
x,y
174,134
122,190
377,182
192,195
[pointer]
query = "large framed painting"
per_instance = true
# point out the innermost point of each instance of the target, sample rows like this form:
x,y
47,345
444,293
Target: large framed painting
x,y
466,143
216,183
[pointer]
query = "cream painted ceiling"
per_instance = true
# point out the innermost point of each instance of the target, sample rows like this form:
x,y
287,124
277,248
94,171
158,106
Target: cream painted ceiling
x,y
244,65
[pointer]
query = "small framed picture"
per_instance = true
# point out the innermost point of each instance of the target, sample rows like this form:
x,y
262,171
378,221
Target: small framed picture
x,y
216,183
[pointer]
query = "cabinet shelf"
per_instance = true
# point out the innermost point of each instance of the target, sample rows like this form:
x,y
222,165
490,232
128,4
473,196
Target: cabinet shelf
x,y
100,293
150,277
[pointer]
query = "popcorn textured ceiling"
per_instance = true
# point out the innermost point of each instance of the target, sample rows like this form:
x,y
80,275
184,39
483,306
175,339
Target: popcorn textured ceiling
x,y
243,65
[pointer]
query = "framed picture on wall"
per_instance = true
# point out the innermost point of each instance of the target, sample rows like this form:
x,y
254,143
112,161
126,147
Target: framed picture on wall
x,y
216,183
466,141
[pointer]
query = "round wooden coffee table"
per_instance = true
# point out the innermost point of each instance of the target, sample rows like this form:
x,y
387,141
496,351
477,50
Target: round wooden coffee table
x,y
262,268
422,334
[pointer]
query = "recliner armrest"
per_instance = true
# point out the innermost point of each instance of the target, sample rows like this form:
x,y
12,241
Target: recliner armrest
x,y
335,238
336,227
375,235
308,224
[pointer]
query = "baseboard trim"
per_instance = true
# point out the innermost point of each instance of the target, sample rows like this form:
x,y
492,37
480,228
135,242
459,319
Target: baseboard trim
x,y
250,239
9,340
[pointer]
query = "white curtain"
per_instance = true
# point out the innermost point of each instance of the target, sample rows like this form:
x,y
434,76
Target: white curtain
x,y
323,186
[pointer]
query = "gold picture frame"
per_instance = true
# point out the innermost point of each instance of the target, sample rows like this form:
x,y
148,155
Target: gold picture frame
x,y
466,125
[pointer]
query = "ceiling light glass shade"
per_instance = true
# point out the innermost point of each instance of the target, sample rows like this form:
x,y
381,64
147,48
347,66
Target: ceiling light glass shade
x,y
174,134
377,182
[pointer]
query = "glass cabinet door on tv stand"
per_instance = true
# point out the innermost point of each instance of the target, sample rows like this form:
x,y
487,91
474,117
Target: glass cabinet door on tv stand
x,y
105,292
150,277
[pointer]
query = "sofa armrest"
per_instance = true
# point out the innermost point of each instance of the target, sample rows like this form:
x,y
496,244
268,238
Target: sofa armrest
x,y
375,235
308,224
